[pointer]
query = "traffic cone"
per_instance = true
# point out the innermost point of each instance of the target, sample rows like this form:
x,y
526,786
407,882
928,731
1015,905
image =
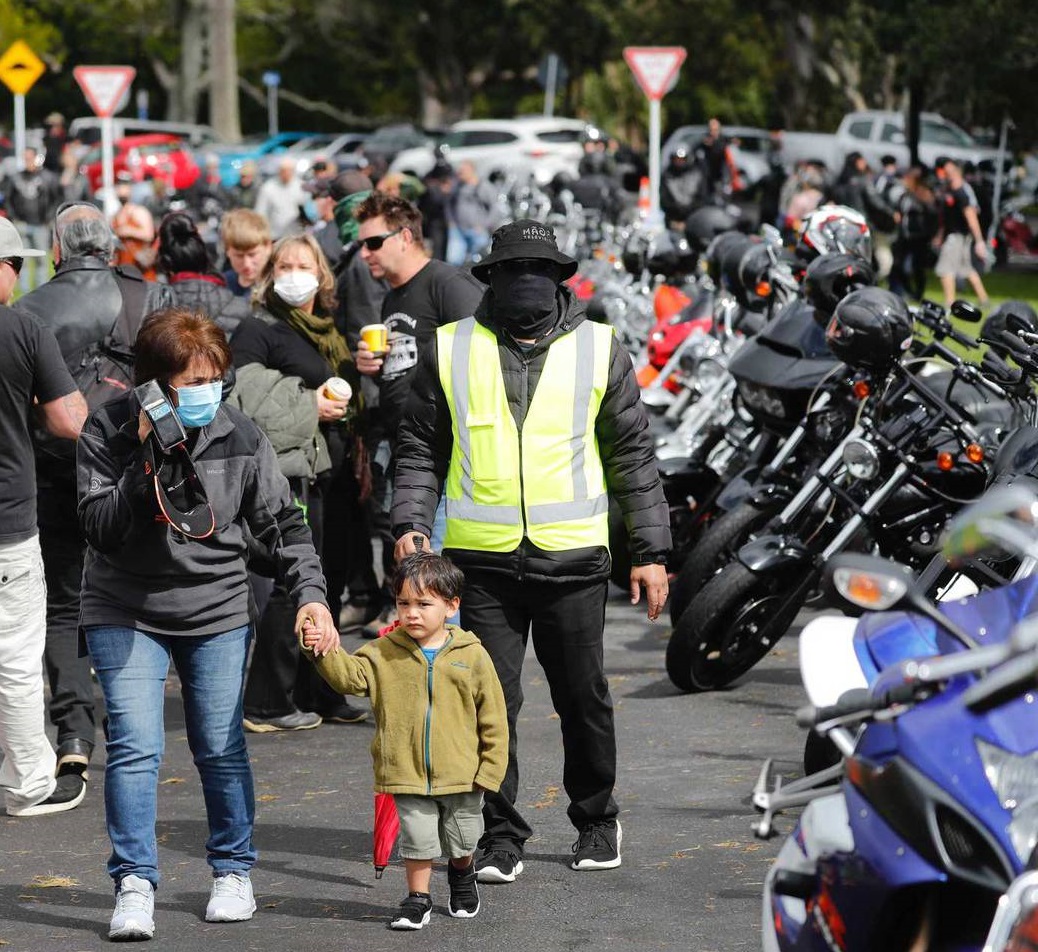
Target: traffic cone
x,y
644,198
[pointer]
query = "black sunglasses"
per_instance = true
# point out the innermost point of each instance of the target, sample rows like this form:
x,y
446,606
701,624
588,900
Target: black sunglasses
x,y
15,263
377,241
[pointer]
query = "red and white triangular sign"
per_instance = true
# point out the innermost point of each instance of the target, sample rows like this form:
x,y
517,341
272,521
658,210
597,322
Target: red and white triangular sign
x,y
104,86
655,67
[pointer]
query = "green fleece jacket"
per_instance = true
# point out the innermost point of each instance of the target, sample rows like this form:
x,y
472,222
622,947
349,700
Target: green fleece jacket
x,y
439,728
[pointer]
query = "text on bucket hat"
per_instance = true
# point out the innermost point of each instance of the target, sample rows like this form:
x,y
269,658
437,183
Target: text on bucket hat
x,y
524,238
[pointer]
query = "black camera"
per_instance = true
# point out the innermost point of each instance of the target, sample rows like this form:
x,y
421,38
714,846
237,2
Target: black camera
x,y
165,424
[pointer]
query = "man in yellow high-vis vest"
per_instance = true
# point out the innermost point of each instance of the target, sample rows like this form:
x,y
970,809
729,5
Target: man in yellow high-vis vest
x,y
527,417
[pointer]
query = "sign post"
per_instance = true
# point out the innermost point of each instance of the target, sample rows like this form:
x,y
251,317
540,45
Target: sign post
x,y
104,88
20,67
656,70
272,80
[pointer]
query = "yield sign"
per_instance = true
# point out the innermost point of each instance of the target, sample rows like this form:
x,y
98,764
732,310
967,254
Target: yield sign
x,y
655,67
104,86
20,67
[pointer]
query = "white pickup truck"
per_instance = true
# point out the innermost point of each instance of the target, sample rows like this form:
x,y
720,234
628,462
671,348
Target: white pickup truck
x,y
875,133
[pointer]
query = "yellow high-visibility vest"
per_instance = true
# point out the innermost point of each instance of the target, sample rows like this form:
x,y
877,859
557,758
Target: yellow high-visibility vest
x,y
549,484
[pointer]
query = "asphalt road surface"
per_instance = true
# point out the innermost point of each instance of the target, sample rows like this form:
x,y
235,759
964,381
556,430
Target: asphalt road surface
x,y
690,880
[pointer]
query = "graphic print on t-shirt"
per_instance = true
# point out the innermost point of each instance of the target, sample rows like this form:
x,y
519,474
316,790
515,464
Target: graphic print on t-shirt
x,y
403,346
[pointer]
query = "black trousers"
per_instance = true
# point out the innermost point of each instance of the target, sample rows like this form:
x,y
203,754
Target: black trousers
x,y
280,680
71,706
566,621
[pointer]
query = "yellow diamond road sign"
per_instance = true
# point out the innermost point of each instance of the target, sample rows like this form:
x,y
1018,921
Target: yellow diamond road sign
x,y
20,67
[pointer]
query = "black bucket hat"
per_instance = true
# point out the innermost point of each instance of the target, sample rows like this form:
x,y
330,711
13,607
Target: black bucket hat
x,y
180,493
524,238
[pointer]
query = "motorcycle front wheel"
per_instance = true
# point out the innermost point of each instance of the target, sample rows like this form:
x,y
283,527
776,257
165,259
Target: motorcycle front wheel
x,y
730,625
713,551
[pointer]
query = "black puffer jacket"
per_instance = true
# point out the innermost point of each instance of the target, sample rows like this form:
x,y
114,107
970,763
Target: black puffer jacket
x,y
211,296
426,442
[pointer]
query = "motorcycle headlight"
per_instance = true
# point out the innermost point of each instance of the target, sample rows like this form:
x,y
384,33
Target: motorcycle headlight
x,y
709,372
861,459
758,398
1014,778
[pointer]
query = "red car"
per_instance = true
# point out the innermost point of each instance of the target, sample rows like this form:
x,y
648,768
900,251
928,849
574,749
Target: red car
x,y
157,155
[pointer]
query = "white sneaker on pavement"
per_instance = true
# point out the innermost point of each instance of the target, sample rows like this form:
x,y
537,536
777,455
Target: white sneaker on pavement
x,y
231,899
133,918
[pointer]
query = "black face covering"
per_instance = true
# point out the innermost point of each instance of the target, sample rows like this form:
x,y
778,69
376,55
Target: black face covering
x,y
524,299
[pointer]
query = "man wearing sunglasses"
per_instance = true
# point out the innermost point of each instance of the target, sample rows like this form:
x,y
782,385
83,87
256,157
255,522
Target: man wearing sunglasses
x,y
527,417
36,384
423,295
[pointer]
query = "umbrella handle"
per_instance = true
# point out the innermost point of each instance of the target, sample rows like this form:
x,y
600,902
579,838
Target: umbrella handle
x,y
379,870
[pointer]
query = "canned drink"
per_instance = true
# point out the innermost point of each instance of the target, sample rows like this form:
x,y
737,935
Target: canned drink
x,y
376,336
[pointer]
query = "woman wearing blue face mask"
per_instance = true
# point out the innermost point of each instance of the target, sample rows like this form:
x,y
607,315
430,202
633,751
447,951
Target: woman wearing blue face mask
x,y
157,590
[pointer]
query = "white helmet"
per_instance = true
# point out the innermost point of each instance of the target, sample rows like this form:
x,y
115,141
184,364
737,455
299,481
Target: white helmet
x,y
835,229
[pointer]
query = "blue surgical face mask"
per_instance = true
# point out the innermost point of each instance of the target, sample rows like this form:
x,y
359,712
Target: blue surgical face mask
x,y
196,406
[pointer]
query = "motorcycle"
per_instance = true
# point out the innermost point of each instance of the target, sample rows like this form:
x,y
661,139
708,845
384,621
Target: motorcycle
x,y
923,836
914,457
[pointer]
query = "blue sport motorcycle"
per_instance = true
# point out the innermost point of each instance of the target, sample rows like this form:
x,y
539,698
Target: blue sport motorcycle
x,y
923,838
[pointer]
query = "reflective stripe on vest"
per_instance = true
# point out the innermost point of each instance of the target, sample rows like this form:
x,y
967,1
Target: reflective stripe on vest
x,y
556,474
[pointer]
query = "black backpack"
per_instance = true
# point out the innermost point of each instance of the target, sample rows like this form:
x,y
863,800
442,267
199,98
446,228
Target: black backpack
x,y
103,370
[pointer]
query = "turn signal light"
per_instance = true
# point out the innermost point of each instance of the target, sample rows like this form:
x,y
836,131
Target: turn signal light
x,y
864,589
861,389
763,289
945,461
975,453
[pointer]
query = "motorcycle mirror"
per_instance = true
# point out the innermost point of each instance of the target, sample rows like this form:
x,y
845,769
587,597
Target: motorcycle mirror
x,y
1003,519
870,582
965,311
1017,323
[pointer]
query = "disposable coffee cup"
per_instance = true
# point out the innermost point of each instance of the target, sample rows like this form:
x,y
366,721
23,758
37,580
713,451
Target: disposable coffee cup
x,y
376,336
335,388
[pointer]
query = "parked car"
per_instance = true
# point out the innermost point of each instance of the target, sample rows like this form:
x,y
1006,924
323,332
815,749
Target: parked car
x,y
749,146
253,148
537,145
87,129
341,149
152,156
875,133
388,141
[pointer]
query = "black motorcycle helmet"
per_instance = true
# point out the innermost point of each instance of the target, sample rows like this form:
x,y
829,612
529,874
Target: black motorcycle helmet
x,y
753,288
724,253
830,278
871,328
669,255
995,322
706,223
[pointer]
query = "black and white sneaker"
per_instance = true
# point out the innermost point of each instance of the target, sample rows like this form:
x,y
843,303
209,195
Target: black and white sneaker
x,y
598,846
69,790
414,912
498,866
464,899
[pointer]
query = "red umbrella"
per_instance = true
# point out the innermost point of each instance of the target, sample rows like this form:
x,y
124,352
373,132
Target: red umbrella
x,y
387,827
387,820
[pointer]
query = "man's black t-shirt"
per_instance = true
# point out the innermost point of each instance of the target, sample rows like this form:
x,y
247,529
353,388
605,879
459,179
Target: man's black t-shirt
x,y
438,294
31,366
953,212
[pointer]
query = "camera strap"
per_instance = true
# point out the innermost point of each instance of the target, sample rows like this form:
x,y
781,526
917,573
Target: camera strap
x,y
181,496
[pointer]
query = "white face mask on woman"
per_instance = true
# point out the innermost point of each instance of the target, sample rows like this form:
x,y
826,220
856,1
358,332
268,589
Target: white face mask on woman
x,y
295,288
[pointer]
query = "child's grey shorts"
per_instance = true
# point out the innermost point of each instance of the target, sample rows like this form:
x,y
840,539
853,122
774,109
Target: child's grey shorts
x,y
431,827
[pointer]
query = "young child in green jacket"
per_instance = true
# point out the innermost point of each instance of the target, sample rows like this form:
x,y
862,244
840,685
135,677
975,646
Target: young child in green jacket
x,y
441,730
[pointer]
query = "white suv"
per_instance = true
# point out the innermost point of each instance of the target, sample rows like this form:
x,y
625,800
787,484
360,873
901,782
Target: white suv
x,y
534,145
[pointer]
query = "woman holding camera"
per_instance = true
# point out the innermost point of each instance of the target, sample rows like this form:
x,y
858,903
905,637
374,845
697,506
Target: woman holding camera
x,y
161,584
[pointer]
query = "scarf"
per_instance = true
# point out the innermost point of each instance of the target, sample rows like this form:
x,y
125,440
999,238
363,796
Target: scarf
x,y
344,218
318,329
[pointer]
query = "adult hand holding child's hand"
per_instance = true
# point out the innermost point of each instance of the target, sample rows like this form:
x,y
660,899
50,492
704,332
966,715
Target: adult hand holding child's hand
x,y
319,634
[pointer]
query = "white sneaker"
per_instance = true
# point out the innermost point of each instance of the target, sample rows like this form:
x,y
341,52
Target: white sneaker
x,y
133,918
231,899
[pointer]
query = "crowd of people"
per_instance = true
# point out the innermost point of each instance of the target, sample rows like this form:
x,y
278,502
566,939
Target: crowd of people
x,y
922,219
343,405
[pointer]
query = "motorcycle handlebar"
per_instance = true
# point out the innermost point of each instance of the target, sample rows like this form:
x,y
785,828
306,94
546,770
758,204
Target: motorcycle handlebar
x,y
858,702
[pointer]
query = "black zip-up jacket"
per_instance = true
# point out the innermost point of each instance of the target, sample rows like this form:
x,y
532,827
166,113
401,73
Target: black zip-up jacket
x,y
140,572
632,477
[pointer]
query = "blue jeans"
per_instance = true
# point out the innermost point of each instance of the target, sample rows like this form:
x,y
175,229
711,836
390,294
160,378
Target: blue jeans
x,y
464,243
132,667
